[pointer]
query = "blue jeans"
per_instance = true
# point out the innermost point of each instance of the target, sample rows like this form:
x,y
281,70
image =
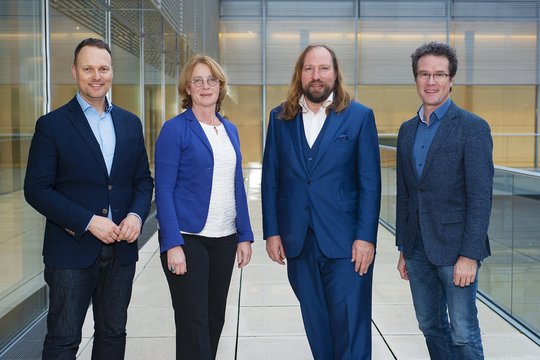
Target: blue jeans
x,y
446,313
108,285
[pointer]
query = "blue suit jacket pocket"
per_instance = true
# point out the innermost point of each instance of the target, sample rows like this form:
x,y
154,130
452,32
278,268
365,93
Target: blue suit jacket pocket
x,y
343,137
450,217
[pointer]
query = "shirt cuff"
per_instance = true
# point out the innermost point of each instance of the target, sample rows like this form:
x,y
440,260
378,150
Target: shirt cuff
x,y
138,217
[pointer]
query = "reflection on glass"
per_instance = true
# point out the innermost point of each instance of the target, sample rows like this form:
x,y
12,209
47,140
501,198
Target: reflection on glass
x,y
21,91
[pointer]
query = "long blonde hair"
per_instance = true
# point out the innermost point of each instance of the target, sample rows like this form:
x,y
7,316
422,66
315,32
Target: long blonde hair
x,y
185,78
291,106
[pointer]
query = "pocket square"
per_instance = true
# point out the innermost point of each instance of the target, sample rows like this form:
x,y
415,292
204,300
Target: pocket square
x,y
343,137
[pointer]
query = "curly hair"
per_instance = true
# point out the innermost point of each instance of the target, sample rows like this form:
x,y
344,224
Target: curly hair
x,y
185,78
291,106
436,49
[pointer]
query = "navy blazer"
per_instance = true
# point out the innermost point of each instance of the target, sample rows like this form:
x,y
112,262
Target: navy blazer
x,y
451,201
339,197
67,182
184,170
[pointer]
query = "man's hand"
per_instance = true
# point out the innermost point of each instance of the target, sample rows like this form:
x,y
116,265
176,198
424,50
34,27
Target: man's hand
x,y
176,260
104,229
402,267
465,271
243,253
130,228
275,249
363,253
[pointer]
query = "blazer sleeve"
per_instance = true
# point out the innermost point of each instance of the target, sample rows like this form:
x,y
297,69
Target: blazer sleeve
x,y
270,181
402,194
167,161
143,184
369,175
479,171
40,180
243,224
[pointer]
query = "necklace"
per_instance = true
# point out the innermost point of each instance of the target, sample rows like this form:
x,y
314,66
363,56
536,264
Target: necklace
x,y
212,124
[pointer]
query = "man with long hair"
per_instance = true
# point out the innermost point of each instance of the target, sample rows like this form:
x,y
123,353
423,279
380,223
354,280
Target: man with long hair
x,y
321,188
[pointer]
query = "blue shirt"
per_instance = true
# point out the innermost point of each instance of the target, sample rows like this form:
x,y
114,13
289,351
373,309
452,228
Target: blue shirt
x,y
425,134
102,127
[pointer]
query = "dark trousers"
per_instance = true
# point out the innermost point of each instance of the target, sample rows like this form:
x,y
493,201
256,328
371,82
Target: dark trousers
x,y
108,285
199,297
335,302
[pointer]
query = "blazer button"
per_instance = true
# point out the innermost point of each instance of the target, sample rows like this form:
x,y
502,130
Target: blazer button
x,y
109,187
104,211
309,181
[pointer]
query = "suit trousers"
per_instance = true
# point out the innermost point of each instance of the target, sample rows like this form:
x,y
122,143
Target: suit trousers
x,y
199,297
335,302
106,283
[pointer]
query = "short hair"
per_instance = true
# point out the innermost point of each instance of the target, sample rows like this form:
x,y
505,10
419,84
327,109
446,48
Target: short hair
x,y
100,44
291,105
436,49
185,79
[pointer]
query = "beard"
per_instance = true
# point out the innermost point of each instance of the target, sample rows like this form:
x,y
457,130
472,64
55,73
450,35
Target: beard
x,y
315,96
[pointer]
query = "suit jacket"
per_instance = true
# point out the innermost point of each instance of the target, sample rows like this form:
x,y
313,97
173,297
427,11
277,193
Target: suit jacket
x,y
451,201
67,182
184,171
339,197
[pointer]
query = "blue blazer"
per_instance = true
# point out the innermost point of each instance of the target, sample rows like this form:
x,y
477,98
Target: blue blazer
x,y
451,201
339,197
184,169
67,182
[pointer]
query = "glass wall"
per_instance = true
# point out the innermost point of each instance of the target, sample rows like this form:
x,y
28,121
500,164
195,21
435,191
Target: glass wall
x,y
22,90
37,41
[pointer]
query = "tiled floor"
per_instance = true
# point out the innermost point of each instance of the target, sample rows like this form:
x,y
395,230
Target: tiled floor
x,y
264,311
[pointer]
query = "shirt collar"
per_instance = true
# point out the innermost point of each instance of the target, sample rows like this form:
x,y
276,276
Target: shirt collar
x,y
85,105
439,112
326,103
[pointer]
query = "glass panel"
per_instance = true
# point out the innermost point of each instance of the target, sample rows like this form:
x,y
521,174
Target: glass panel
x,y
153,106
22,92
496,273
243,108
126,54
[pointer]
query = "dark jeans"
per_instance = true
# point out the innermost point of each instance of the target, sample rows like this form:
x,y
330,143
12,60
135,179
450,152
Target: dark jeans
x,y
108,285
199,297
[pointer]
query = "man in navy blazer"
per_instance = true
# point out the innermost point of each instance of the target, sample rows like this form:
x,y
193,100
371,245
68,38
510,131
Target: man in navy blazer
x,y
321,187
444,188
88,175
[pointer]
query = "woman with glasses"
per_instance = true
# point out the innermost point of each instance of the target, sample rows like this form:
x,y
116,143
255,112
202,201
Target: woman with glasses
x,y
201,208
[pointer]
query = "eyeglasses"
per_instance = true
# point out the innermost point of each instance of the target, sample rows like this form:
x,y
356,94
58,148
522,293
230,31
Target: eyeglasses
x,y
437,77
323,69
199,81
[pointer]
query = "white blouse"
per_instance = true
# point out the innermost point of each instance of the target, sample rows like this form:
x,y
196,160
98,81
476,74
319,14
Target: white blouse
x,y
221,220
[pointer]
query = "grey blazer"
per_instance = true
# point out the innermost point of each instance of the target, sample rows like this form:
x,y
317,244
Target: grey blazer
x,y
451,201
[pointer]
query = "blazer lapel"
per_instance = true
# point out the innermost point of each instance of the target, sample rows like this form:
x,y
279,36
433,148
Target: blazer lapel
x,y
120,134
409,134
447,124
197,128
297,132
77,118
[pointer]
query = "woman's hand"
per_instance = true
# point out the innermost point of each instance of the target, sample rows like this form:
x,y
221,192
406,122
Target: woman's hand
x,y
176,260
243,253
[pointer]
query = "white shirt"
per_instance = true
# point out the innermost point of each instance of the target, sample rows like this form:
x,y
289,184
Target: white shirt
x,y
313,123
221,220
